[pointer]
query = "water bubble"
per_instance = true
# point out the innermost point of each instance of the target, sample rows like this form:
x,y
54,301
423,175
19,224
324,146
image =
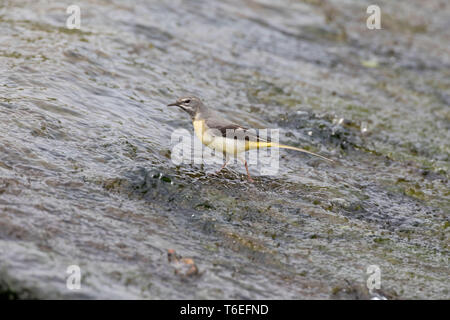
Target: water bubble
x,y
364,127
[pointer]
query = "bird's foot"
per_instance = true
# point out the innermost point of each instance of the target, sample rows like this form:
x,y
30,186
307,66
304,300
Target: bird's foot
x,y
215,173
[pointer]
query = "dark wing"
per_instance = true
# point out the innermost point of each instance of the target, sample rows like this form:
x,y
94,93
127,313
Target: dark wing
x,y
235,130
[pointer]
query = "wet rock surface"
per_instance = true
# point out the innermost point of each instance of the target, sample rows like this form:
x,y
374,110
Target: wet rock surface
x,y
86,176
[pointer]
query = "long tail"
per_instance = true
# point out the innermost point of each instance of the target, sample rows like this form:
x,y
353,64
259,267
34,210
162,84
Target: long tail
x,y
299,149
283,146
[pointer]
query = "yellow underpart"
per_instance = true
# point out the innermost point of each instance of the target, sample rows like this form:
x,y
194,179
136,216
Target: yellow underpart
x,y
231,146
199,129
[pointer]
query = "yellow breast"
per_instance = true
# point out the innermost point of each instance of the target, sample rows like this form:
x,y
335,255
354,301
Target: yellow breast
x,y
199,129
223,144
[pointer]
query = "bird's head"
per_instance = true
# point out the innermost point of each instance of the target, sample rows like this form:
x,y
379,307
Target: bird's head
x,y
191,105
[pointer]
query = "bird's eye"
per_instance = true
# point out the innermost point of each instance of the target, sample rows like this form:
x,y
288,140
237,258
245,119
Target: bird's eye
x,y
187,101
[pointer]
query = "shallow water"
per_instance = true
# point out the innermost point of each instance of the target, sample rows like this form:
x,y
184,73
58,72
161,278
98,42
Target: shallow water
x,y
86,176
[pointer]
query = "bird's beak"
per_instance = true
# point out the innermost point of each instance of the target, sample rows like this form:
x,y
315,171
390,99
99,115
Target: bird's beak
x,y
173,104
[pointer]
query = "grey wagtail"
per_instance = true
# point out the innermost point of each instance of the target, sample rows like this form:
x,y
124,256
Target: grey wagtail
x,y
224,136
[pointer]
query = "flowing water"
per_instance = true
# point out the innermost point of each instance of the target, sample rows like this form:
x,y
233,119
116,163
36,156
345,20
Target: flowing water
x,y
86,176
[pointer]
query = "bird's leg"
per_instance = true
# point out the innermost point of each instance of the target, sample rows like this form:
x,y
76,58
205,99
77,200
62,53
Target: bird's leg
x,y
227,159
223,166
248,173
